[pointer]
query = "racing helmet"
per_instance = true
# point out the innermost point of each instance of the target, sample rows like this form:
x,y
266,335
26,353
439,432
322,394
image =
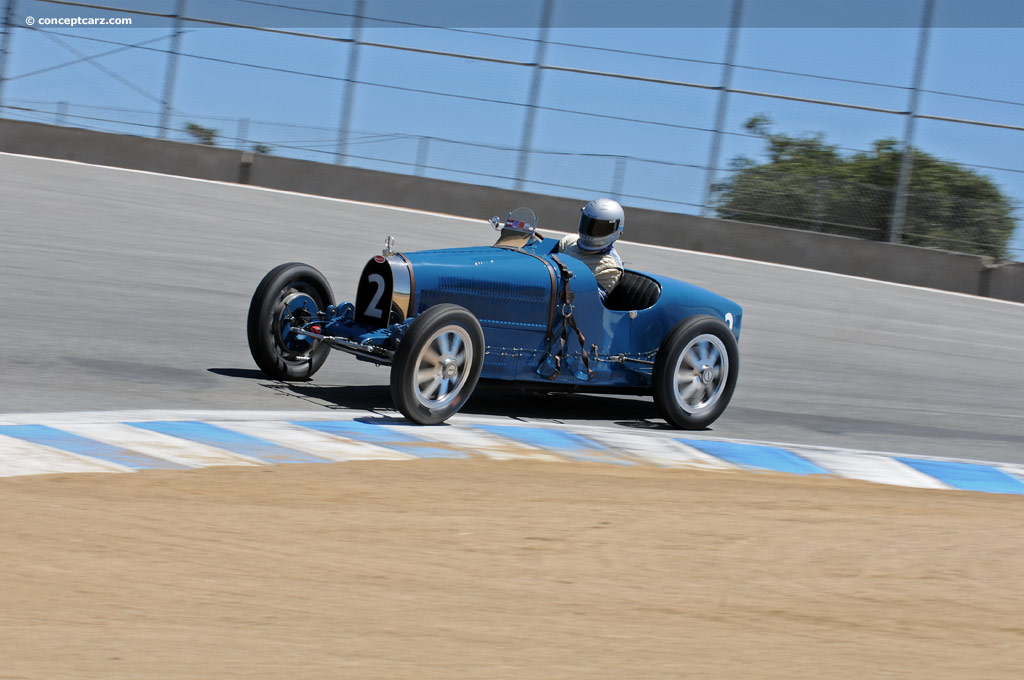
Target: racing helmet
x,y
601,223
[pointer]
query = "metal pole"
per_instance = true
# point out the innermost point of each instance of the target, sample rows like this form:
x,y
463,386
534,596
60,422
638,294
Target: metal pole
x,y
243,135
820,191
172,71
531,107
5,47
619,178
348,97
422,152
723,99
62,113
899,210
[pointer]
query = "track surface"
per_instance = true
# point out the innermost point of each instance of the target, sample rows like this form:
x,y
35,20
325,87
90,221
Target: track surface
x,y
128,290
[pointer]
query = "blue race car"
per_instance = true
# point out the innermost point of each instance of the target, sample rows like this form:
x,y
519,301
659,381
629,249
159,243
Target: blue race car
x,y
517,311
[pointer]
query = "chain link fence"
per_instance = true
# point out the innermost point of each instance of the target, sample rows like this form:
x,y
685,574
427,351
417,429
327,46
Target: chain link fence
x,y
472,106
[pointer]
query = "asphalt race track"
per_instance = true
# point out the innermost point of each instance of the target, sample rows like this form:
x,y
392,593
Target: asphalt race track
x,y
125,290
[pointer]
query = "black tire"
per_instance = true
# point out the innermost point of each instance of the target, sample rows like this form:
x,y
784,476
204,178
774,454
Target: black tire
x,y
419,398
690,391
279,354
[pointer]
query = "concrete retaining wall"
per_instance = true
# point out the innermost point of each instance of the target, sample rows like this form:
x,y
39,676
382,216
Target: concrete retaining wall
x,y
872,259
1005,281
122,151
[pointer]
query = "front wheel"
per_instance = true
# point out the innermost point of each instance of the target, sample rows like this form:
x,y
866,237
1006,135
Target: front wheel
x,y
288,297
695,372
437,364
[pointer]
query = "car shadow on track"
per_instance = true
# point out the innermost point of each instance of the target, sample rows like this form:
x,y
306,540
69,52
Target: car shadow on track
x,y
492,401
250,373
489,399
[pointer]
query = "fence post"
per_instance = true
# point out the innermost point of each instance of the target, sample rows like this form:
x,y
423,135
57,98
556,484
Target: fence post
x,y
62,113
422,151
619,178
531,106
899,210
242,142
348,96
5,47
723,99
172,70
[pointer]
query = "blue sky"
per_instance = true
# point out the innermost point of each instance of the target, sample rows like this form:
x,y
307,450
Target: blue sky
x,y
981,62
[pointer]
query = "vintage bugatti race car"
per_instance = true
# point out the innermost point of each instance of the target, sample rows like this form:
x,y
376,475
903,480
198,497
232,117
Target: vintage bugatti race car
x,y
516,311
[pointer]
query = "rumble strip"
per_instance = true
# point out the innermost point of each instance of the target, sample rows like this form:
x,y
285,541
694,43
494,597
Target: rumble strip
x,y
127,441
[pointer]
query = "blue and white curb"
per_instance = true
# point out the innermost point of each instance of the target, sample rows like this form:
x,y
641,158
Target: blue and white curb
x,y
126,441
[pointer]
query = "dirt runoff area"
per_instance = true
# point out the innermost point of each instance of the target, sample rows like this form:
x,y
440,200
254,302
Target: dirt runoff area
x,y
480,569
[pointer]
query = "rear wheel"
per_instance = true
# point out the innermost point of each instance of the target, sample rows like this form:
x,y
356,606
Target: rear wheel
x,y
288,297
437,364
695,372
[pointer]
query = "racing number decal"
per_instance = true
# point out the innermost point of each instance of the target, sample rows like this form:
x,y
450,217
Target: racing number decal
x,y
373,298
373,310
728,319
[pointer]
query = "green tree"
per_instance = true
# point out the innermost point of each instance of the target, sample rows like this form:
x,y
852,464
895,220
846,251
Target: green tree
x,y
202,135
809,184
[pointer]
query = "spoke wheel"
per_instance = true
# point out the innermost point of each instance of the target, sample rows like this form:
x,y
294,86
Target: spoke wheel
x,y
442,366
288,297
695,372
437,364
701,373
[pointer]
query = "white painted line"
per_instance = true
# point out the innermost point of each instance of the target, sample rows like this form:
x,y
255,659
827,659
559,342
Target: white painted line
x,y
312,442
482,220
661,451
872,469
252,187
483,443
1012,471
158,445
19,457
810,448
827,273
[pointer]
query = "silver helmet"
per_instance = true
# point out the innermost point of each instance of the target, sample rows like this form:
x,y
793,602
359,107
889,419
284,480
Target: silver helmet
x,y
601,223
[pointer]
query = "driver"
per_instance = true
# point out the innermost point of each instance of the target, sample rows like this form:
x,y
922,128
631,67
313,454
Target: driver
x,y
601,222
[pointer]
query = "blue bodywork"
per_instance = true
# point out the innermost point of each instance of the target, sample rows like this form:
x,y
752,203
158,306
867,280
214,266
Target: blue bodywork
x,y
517,294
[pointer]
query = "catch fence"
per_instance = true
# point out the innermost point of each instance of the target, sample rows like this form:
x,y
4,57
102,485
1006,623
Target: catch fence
x,y
537,109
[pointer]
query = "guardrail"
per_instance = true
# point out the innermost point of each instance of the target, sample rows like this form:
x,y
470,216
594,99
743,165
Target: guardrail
x,y
942,270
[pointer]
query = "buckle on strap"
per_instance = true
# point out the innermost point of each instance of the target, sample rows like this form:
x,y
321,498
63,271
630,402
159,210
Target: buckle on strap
x,y
567,320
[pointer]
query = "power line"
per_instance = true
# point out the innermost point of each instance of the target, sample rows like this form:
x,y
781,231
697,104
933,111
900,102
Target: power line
x,y
501,61
377,136
323,76
211,22
596,48
974,97
90,57
84,58
562,69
